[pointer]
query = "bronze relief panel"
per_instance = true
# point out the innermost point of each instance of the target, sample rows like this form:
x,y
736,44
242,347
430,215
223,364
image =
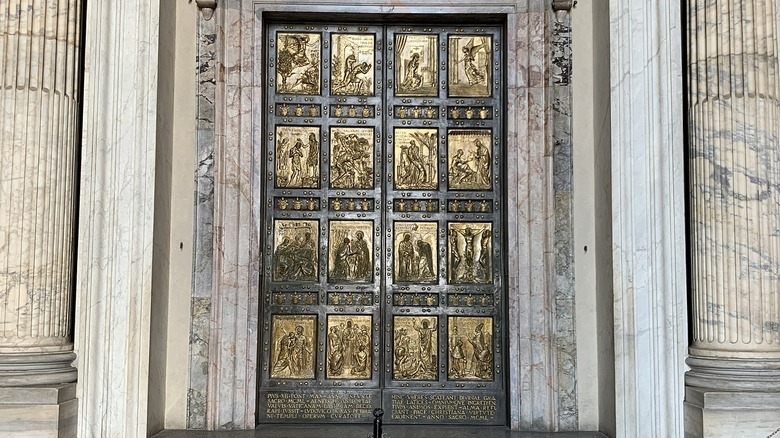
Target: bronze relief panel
x,y
470,73
415,347
416,159
351,158
415,258
416,60
295,255
298,63
350,255
469,159
352,64
294,339
349,342
297,156
470,348
469,249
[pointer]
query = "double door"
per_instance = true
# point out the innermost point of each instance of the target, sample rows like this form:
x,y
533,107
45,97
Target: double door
x,y
383,277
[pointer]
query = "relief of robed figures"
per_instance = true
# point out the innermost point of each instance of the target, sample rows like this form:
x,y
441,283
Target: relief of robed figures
x,y
416,65
295,250
416,158
470,348
350,251
415,346
415,252
349,347
294,340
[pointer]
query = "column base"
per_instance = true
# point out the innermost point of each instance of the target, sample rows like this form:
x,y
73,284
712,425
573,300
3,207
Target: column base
x,y
38,411
37,368
727,414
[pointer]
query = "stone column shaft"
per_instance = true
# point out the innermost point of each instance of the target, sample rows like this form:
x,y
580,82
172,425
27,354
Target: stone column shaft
x,y
735,195
39,75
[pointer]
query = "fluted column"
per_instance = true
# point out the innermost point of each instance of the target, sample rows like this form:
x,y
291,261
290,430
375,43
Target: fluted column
x,y
39,58
734,177
735,194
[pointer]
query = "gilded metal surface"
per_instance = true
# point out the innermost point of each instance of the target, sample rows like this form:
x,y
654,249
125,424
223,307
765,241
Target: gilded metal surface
x,y
415,258
470,72
469,159
295,250
416,61
416,164
383,224
415,348
298,156
352,158
470,348
352,64
294,338
469,249
298,63
349,252
349,347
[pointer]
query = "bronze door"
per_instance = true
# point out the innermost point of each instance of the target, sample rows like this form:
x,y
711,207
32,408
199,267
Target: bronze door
x,y
383,282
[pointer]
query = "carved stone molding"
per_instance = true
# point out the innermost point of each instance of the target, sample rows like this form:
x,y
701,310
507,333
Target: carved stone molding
x,y
207,7
563,5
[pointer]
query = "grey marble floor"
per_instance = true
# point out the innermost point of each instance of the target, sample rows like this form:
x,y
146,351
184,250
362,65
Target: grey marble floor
x,y
362,431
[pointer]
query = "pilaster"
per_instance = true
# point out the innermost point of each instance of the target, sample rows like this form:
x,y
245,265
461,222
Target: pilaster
x,y
648,217
116,217
734,162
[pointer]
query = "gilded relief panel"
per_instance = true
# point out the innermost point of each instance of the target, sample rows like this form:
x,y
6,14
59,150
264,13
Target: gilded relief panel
x,y
349,347
350,251
415,252
416,60
416,158
352,64
470,57
352,158
297,157
469,159
470,348
415,347
298,62
294,338
469,250
295,255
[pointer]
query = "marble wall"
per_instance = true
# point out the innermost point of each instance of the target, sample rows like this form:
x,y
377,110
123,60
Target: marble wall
x,y
223,332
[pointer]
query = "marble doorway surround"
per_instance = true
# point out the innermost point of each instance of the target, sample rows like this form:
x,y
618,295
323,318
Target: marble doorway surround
x,y
223,369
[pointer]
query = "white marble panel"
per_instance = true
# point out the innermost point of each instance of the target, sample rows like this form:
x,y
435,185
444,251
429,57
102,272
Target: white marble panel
x,y
648,217
116,218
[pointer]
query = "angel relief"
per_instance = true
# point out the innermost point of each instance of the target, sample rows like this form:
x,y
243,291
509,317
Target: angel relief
x,y
469,66
298,63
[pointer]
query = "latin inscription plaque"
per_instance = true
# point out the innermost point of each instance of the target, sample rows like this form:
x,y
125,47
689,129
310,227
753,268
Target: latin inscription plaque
x,y
318,406
445,408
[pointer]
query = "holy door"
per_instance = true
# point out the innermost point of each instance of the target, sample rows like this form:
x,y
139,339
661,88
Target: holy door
x,y
383,276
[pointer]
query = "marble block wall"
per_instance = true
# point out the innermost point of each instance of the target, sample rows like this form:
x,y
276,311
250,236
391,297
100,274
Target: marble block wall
x,y
40,46
223,332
